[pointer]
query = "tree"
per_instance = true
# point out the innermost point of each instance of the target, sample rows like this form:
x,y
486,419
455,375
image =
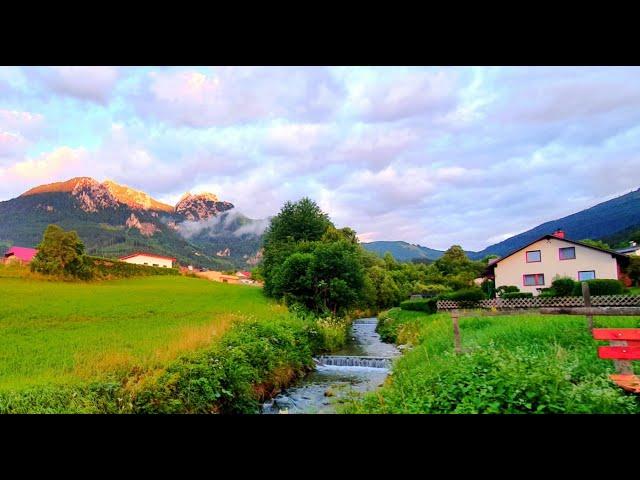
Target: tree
x,y
633,269
60,253
299,221
324,277
596,243
296,223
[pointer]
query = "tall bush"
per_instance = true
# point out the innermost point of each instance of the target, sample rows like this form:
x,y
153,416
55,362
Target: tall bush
x,y
564,286
601,286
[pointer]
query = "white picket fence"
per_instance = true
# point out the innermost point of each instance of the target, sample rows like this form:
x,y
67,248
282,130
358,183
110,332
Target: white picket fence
x,y
537,302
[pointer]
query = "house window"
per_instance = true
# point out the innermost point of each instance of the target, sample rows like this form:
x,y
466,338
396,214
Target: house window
x,y
568,253
533,279
534,256
586,275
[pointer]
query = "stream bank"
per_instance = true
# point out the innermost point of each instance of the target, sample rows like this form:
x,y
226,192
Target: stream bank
x,y
362,365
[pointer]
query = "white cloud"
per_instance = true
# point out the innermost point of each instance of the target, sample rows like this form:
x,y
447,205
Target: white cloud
x,y
94,84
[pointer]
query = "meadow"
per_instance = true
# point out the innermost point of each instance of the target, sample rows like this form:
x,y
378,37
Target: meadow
x,y
527,363
54,332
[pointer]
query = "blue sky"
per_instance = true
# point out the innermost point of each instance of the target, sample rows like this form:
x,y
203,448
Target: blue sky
x,y
435,156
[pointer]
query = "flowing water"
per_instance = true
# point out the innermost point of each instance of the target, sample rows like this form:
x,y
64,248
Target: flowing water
x,y
362,365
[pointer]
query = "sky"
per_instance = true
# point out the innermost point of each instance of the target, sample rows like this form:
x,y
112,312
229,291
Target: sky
x,y
434,156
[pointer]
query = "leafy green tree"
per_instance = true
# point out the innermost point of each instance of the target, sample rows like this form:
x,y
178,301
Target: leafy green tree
x,y
298,221
596,243
60,253
333,234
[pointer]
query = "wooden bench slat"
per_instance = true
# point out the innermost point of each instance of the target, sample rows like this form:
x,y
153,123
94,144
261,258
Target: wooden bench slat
x,y
630,383
619,353
616,333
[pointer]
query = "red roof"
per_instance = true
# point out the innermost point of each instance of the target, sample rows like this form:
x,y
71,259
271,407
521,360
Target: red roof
x,y
147,255
23,253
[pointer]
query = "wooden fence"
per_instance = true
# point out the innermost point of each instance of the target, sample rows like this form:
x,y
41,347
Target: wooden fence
x,y
548,302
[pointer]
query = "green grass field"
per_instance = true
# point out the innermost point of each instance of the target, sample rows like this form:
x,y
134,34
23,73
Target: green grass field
x,y
70,332
512,364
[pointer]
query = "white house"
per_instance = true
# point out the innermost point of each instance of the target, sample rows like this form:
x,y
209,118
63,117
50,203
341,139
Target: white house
x,y
150,259
534,266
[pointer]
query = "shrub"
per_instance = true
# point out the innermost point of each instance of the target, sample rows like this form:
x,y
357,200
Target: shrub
x,y
517,295
547,293
432,289
467,297
428,305
506,289
601,286
563,286
467,294
488,286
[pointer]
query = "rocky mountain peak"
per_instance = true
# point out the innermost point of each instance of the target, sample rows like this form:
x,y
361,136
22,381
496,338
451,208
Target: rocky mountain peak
x,y
93,196
200,206
135,199
62,187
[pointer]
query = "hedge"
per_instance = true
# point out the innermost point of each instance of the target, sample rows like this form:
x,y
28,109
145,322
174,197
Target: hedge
x,y
602,286
517,295
428,305
109,268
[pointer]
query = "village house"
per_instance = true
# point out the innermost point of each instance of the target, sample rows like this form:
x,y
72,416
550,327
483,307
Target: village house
x,y
150,259
632,249
22,255
534,266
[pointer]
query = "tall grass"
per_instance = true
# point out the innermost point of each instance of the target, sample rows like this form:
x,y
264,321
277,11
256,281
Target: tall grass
x,y
512,364
61,332
149,345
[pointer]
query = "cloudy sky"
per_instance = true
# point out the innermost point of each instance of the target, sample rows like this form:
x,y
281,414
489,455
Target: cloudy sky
x,y
433,156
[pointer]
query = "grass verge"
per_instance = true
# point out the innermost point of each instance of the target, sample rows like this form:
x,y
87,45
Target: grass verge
x,y
512,364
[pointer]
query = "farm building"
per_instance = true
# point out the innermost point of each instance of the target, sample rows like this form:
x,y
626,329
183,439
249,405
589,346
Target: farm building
x,y
534,266
19,254
151,259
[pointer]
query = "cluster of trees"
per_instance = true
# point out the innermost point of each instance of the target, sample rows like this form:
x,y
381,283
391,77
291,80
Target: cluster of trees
x,y
61,253
310,262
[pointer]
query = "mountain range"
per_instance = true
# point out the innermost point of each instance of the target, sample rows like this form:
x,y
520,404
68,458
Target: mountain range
x,y
201,230
606,220
114,220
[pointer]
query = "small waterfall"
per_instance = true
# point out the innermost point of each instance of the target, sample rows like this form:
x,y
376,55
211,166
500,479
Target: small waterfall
x,y
354,361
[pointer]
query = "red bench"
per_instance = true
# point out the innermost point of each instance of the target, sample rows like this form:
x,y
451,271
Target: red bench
x,y
624,346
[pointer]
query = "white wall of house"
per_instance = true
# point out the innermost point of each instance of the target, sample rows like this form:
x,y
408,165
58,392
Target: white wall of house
x,y
150,261
511,270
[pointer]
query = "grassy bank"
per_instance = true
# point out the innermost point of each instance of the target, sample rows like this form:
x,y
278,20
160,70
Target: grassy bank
x,y
154,344
512,364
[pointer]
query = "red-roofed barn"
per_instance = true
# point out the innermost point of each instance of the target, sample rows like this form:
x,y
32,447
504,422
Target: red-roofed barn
x,y
20,255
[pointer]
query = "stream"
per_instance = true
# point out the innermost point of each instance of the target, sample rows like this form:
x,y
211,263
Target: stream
x,y
361,366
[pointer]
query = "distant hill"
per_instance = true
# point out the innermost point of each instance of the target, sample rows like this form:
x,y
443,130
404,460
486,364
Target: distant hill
x,y
611,221
114,220
403,251
600,221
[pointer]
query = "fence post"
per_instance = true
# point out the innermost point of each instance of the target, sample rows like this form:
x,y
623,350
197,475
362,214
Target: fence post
x,y
456,331
586,295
